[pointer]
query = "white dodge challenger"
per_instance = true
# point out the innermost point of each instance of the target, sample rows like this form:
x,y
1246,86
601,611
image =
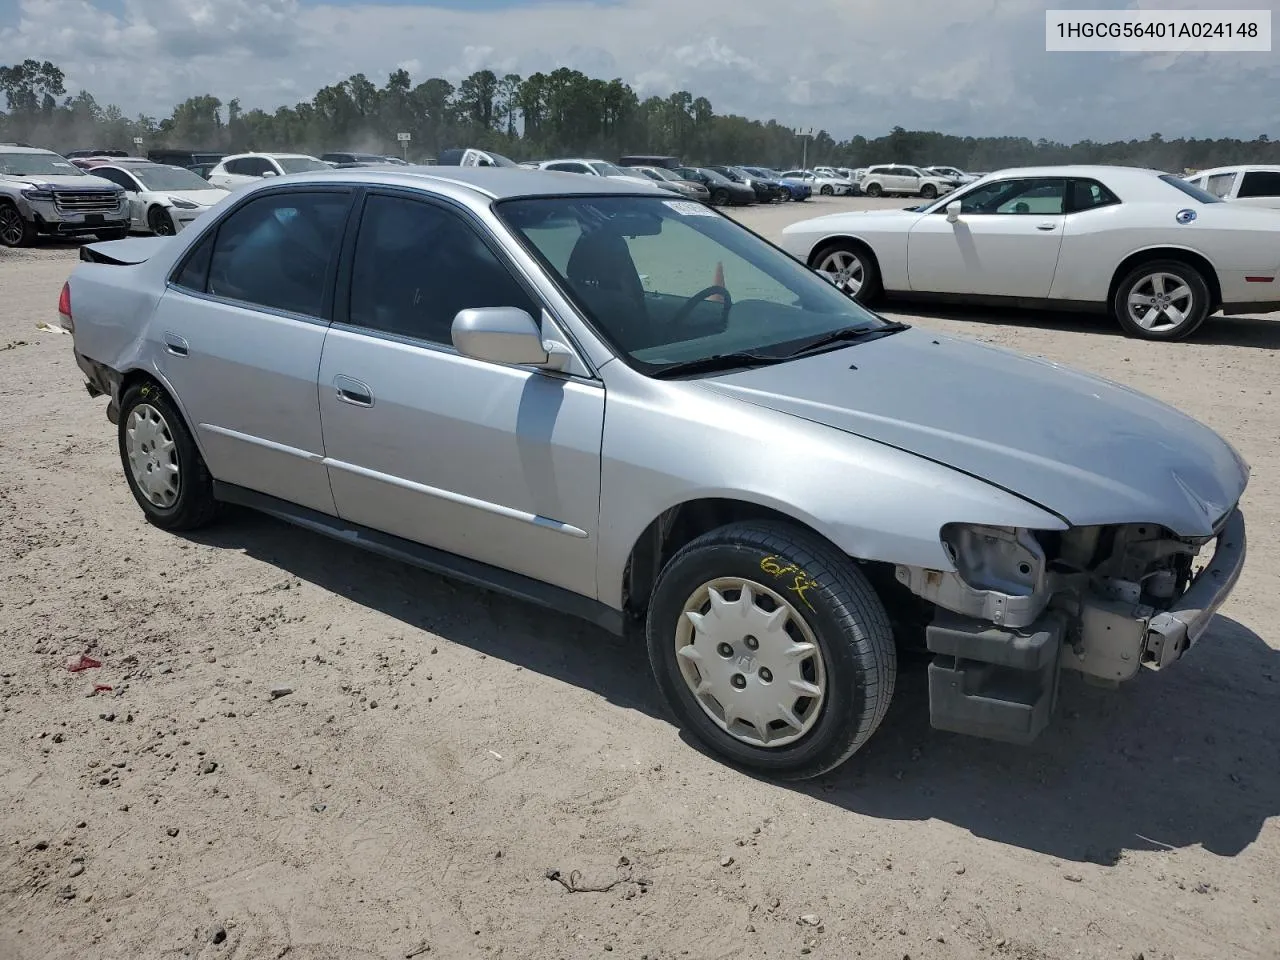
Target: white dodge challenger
x,y
1156,251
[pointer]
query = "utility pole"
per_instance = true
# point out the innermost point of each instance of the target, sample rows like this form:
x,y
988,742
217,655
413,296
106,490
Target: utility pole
x,y
804,140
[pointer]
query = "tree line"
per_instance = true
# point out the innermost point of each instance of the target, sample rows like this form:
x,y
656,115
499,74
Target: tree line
x,y
544,115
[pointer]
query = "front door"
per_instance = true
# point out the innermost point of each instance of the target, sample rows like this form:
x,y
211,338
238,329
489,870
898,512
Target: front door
x,y
1005,243
239,333
492,462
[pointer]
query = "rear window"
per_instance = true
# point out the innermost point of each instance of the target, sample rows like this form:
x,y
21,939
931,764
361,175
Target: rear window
x,y
1260,183
1190,189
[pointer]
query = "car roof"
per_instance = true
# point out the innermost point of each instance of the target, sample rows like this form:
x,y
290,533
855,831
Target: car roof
x,y
495,183
277,156
1238,167
14,148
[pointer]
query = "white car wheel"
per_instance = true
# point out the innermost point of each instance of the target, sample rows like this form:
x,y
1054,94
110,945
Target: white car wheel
x,y
1162,300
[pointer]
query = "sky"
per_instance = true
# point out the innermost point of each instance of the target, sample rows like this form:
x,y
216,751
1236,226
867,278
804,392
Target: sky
x,y
969,67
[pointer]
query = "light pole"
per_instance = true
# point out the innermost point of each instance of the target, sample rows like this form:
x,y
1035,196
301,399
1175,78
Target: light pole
x,y
804,140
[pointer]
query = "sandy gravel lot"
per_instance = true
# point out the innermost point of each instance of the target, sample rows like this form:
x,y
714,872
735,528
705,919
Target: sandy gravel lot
x,y
443,749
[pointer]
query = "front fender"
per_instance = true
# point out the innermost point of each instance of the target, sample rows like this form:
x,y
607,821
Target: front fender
x,y
666,444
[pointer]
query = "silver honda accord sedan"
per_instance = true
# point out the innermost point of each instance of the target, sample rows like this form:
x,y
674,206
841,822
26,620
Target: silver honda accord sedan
x,y
623,405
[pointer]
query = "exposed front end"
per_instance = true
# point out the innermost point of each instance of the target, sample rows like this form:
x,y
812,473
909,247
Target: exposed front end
x,y
1022,605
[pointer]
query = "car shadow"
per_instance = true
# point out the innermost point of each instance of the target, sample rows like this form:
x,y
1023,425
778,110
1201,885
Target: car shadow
x,y
1183,758
1234,331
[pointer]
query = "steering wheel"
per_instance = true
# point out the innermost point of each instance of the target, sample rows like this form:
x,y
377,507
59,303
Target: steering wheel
x,y
1022,207
687,307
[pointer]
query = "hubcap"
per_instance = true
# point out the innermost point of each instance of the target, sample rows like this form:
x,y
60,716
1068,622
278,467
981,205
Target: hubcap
x,y
751,661
153,456
845,270
1160,301
10,226
161,225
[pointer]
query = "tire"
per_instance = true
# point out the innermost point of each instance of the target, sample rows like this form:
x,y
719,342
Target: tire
x,y
874,190
929,191
861,275
158,438
1179,300
720,197
851,665
160,222
15,231
827,190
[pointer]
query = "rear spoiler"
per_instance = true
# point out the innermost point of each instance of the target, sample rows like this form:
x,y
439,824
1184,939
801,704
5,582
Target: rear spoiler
x,y
123,253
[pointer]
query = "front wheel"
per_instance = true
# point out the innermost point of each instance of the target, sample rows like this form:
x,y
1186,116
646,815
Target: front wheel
x,y
874,190
851,268
14,230
827,190
772,649
160,222
164,468
928,191
720,197
1161,300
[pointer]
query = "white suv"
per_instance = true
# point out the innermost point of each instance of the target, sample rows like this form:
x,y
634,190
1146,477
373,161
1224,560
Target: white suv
x,y
886,179
236,171
1254,185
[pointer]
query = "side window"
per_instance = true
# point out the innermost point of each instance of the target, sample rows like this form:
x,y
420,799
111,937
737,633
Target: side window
x,y
118,177
194,274
1220,184
1090,194
1260,183
277,251
1031,197
236,167
416,265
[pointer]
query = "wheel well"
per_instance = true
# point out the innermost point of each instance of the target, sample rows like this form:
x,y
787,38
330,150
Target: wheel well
x,y
681,525
1169,253
861,245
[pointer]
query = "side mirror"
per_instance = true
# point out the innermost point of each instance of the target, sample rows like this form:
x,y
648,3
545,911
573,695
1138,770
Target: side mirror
x,y
953,211
499,335
270,173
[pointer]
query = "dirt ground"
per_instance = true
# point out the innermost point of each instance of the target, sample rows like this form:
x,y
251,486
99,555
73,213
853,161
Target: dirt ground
x,y
443,750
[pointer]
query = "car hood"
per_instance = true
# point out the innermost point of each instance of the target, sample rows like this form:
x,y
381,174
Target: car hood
x,y
86,182
1087,449
206,198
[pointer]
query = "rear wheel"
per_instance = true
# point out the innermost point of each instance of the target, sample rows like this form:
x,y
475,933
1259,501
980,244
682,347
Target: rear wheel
x,y
161,222
851,268
164,468
1161,300
772,649
14,230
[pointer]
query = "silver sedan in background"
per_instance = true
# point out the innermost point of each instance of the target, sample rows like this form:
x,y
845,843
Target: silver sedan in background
x,y
622,404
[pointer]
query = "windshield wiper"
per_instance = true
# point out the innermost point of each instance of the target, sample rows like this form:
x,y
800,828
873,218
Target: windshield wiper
x,y
847,335
717,362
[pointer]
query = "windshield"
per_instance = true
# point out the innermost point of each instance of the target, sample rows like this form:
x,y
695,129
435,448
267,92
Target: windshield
x,y
661,173
301,164
169,178
609,170
1190,189
35,164
668,282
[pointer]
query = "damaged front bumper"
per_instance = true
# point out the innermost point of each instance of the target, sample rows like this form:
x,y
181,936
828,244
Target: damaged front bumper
x,y
1000,681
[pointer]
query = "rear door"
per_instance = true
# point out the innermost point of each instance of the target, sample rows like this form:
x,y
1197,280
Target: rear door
x,y
488,461
238,335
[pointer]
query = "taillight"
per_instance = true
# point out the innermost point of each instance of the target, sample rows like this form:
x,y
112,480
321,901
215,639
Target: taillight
x,y
64,308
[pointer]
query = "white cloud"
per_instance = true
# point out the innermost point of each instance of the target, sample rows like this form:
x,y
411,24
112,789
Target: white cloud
x,y
965,66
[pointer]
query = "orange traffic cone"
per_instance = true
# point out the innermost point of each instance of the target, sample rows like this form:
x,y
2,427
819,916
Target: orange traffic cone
x,y
719,282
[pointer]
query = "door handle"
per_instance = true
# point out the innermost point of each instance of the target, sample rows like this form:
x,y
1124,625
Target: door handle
x,y
1046,226
353,391
176,345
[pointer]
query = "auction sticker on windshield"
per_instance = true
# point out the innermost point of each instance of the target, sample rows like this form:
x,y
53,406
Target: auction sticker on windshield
x,y
689,209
